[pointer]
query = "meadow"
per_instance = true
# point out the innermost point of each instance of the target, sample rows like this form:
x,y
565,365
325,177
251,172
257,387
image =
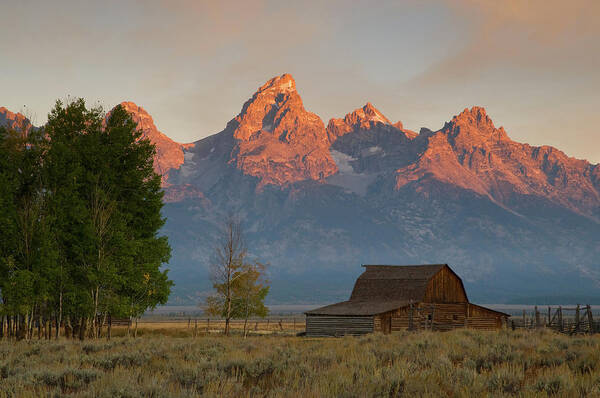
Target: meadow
x,y
460,363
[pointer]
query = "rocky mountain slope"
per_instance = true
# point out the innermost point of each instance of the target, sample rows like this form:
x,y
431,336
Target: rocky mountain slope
x,y
514,220
169,154
14,121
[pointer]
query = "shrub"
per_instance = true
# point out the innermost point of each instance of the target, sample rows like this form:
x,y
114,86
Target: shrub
x,y
506,381
551,385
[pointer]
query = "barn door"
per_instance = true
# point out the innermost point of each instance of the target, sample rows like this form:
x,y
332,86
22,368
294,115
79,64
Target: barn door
x,y
386,323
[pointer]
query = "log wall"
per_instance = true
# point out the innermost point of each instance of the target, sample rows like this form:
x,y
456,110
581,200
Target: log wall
x,y
328,325
441,317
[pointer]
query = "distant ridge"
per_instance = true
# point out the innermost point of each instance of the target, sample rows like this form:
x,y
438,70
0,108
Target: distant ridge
x,y
514,220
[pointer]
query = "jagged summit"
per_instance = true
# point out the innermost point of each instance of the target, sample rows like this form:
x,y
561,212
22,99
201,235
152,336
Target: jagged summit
x,y
366,118
169,154
474,122
279,141
14,121
371,113
362,117
281,83
476,116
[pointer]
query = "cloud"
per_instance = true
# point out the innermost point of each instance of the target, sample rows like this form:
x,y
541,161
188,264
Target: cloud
x,y
525,35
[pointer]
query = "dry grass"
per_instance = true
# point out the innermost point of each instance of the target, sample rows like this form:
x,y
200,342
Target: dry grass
x,y
456,364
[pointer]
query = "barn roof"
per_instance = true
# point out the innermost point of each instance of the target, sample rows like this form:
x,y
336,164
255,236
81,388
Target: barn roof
x,y
358,308
383,288
394,282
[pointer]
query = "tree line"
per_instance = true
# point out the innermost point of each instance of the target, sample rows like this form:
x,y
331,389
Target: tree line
x,y
80,211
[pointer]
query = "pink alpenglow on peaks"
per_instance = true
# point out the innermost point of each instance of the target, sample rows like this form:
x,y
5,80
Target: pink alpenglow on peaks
x,y
14,121
277,140
169,154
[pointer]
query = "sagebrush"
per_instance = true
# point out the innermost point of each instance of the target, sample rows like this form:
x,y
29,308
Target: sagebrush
x,y
461,363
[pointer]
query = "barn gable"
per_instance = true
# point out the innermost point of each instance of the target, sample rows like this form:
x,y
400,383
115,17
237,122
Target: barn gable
x,y
445,287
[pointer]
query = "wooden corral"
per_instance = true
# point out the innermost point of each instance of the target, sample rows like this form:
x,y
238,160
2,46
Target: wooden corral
x,y
390,298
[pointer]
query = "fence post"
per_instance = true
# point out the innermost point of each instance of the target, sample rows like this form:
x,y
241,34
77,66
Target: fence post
x,y
549,315
195,327
537,317
524,320
207,324
577,319
590,318
560,319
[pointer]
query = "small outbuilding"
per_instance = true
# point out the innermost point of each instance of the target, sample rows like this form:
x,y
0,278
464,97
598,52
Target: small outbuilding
x,y
389,298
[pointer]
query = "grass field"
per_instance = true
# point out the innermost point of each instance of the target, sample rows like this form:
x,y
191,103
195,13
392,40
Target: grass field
x,y
453,364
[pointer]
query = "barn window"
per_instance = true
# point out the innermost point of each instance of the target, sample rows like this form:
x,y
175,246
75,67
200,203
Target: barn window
x,y
455,317
429,317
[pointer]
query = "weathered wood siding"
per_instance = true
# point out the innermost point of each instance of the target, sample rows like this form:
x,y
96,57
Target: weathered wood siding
x,y
426,316
441,317
328,325
483,318
445,287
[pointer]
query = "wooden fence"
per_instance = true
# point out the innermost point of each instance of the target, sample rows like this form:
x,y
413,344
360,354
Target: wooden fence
x,y
568,320
198,325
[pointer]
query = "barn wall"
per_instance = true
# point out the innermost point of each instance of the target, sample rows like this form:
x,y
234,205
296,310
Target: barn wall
x,y
327,325
484,318
445,287
443,317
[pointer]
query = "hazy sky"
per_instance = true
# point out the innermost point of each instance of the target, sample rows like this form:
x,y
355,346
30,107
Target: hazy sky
x,y
535,65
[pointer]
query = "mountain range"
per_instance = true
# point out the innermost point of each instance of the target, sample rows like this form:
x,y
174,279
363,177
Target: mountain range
x,y
514,220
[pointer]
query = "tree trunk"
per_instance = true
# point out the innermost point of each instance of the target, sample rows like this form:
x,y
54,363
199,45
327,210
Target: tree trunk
x,y
246,317
68,328
60,309
109,326
82,328
228,313
95,319
25,328
57,330
104,316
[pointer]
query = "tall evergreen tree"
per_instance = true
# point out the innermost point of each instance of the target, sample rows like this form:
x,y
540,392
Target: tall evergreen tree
x,y
79,223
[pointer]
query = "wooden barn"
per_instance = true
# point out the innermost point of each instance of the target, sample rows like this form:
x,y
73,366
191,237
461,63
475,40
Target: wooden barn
x,y
389,298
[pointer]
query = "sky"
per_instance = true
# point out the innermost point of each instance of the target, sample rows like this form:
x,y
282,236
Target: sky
x,y
534,65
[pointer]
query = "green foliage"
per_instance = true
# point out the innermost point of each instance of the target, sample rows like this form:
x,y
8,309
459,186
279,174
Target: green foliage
x,y
249,292
240,287
81,209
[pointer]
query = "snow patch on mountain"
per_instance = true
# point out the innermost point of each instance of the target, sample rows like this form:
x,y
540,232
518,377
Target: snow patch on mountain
x,y
347,178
